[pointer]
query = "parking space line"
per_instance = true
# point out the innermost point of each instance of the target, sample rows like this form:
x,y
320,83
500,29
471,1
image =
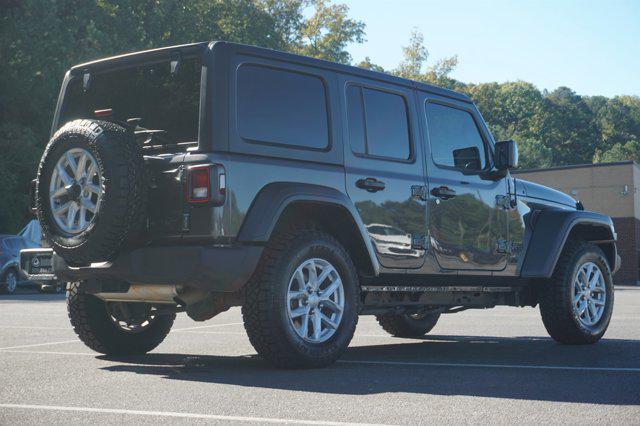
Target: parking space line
x,y
28,327
178,415
515,366
9,351
40,344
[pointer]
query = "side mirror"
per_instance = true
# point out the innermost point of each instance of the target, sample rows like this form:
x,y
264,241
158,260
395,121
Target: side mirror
x,y
506,155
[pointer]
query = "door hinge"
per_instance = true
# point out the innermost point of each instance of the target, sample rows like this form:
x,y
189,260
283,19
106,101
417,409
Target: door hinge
x,y
418,241
504,246
419,192
505,202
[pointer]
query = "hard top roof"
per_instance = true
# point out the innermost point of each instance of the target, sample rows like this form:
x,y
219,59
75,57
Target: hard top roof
x,y
194,48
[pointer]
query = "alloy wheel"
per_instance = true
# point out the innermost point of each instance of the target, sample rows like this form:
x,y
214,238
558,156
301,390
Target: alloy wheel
x,y
589,294
75,191
315,300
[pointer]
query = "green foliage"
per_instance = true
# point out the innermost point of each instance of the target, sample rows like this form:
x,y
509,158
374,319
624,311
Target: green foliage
x,y
415,58
327,32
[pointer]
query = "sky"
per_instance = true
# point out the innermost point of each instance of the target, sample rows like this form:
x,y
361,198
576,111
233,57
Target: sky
x,y
593,47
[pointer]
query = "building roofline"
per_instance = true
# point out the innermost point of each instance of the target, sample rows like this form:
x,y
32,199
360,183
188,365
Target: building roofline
x,y
574,166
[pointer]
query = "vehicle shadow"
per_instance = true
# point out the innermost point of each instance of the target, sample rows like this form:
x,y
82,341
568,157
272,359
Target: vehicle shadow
x,y
358,372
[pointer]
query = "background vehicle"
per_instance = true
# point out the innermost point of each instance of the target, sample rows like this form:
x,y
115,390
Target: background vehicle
x,y
204,176
10,272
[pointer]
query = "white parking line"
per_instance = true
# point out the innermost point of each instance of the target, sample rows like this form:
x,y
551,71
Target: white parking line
x,y
40,344
34,314
516,366
28,327
178,415
94,354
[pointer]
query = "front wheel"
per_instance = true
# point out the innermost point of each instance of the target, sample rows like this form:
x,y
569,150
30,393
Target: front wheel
x,y
115,328
577,304
302,304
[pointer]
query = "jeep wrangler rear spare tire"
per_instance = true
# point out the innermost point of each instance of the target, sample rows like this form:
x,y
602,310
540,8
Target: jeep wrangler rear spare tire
x,y
303,301
115,328
90,194
408,325
577,303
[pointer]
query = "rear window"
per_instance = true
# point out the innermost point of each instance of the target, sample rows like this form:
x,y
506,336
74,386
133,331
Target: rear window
x,y
162,100
282,107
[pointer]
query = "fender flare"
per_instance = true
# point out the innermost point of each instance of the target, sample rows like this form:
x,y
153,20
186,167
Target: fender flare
x,y
550,232
274,198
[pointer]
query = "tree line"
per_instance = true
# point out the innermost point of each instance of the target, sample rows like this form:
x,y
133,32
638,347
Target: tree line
x,y
41,39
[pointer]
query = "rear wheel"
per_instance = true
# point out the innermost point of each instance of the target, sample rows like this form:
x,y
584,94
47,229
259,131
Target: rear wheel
x,y
577,303
9,282
408,325
116,328
302,304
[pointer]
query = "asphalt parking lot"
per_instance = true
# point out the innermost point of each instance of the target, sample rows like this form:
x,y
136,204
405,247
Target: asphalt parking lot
x,y
494,366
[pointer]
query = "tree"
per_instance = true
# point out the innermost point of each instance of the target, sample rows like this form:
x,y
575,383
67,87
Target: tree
x,y
327,32
415,56
368,65
619,152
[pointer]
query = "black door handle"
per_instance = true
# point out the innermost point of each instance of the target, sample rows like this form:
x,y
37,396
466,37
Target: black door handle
x,y
370,184
443,192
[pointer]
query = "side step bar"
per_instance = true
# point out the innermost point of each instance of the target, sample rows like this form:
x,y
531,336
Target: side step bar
x,y
442,289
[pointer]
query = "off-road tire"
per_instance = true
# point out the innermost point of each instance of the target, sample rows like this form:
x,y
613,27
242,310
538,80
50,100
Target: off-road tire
x,y
4,287
123,205
264,311
556,297
404,325
92,324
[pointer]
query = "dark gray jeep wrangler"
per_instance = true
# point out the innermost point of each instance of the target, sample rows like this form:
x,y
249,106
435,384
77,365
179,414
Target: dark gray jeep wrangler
x,y
204,176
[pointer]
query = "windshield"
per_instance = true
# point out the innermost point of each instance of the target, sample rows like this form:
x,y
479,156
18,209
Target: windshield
x,y
160,99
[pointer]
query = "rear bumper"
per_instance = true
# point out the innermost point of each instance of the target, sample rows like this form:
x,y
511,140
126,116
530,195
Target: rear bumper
x,y
211,268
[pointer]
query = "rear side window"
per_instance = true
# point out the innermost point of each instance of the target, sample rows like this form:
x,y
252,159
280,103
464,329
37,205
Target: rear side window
x,y
378,123
455,139
282,107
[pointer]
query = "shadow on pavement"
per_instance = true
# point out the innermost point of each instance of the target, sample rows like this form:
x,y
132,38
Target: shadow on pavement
x,y
350,377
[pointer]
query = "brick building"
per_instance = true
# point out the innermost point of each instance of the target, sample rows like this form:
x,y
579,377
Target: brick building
x,y
608,188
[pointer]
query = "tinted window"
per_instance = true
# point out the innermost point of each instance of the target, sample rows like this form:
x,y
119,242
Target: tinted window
x,y
378,123
355,115
387,125
455,139
282,107
164,101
